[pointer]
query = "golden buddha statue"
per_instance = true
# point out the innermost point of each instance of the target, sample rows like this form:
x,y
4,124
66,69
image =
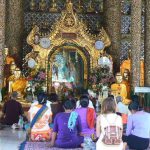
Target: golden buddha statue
x,y
126,81
126,64
9,59
17,83
42,5
120,89
32,5
53,7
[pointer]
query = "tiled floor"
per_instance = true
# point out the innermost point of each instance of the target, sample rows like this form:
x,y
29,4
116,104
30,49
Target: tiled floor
x,y
10,139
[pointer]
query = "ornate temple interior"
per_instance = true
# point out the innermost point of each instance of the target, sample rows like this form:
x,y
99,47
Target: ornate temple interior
x,y
73,47
53,45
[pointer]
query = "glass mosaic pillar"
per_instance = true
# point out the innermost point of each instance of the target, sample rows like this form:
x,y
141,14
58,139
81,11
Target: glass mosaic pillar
x,y
147,43
14,24
112,13
136,28
2,41
147,53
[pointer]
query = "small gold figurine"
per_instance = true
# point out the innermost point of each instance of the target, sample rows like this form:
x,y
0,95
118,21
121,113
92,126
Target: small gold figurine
x,y
53,7
90,7
32,5
42,5
80,7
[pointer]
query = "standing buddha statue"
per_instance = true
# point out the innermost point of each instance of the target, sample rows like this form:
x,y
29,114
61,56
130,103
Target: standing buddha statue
x,y
126,81
126,64
42,5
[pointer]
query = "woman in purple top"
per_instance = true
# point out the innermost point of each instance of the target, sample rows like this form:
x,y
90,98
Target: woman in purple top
x,y
82,112
67,128
138,128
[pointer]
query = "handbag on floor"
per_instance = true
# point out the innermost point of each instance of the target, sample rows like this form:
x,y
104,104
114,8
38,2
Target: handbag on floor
x,y
37,116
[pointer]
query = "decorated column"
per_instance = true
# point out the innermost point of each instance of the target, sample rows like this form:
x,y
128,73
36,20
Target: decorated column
x,y
112,11
147,53
147,43
2,41
136,8
14,24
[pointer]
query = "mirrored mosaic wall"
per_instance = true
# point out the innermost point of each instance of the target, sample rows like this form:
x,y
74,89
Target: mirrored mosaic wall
x,y
126,30
91,12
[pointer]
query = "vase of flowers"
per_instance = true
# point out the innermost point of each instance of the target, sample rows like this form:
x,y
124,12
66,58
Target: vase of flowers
x,y
100,78
37,81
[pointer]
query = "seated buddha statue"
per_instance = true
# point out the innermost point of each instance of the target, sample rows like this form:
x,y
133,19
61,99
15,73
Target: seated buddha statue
x,y
42,5
17,83
53,7
120,89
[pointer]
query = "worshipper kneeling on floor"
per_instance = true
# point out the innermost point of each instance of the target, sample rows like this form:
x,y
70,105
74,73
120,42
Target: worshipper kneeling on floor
x,y
109,127
56,106
40,116
90,105
88,117
138,127
67,128
11,111
123,111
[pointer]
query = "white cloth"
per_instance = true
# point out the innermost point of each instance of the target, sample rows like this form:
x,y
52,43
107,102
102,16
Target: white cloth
x,y
113,119
79,106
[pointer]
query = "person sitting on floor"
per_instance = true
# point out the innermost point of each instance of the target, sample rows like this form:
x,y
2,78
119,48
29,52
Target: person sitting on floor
x,y
121,107
123,111
138,128
11,111
88,117
56,106
67,128
90,105
40,130
105,121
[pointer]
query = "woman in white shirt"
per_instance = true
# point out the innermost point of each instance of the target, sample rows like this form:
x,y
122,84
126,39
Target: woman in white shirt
x,y
108,118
